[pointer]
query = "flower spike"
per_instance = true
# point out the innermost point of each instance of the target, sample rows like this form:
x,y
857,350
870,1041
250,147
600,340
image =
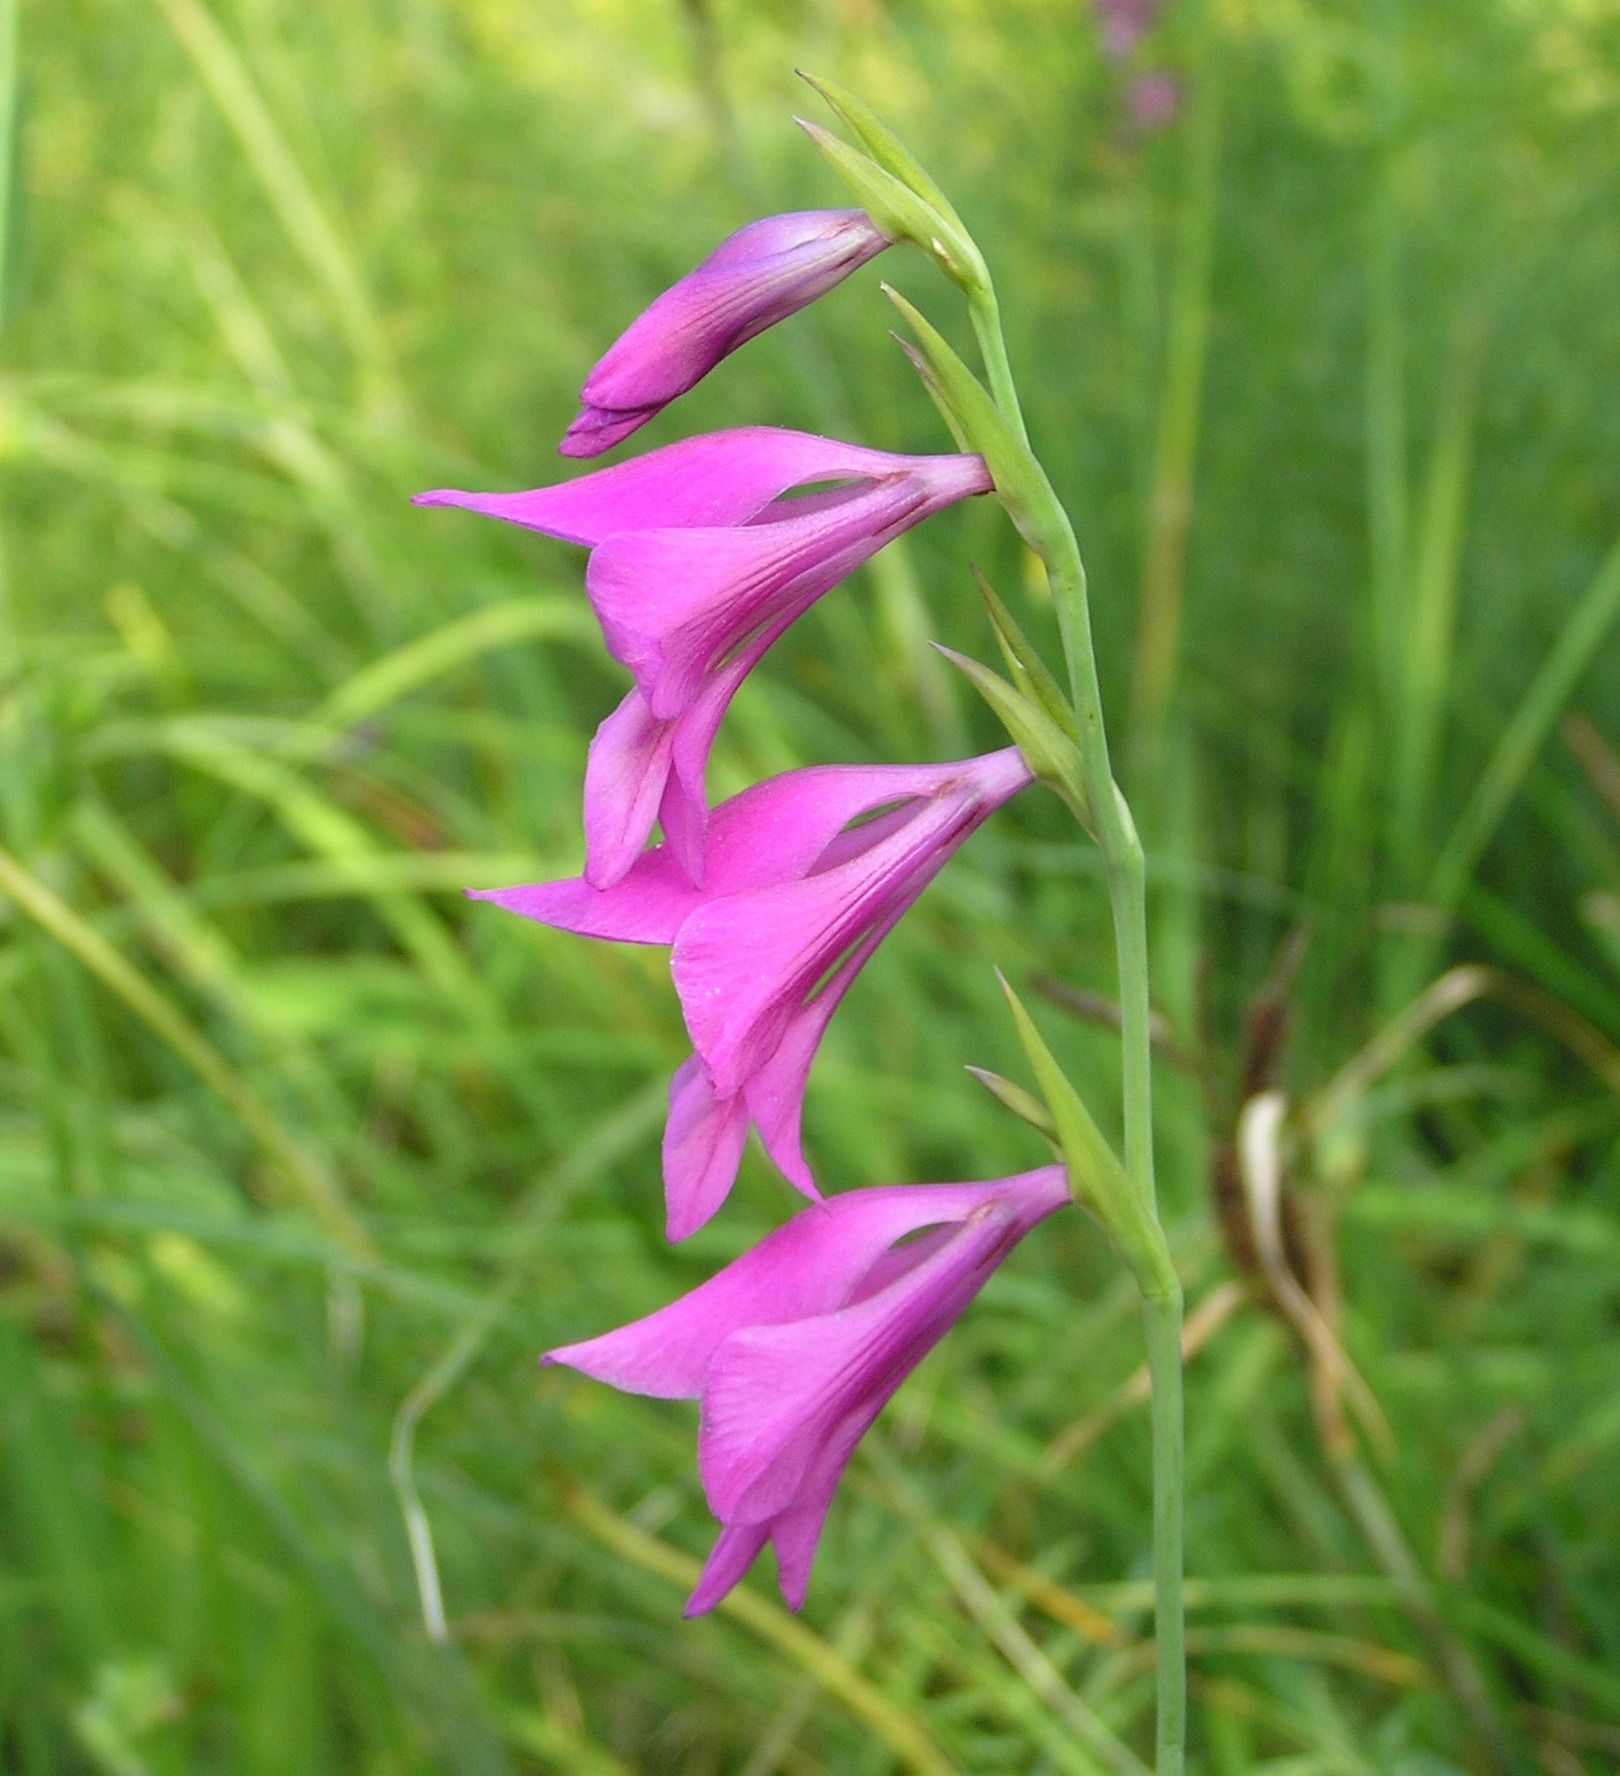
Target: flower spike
x,y
795,899
756,277
795,1347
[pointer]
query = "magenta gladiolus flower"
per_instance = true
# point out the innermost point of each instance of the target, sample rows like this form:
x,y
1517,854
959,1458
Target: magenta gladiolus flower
x,y
753,279
795,899
700,560
795,1347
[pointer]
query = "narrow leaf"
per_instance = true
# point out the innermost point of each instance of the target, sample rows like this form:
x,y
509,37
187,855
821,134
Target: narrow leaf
x,y
1029,670
885,147
1023,1104
1047,750
1099,1182
1020,480
895,207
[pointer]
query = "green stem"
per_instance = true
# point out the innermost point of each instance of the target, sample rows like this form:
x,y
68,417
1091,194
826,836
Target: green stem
x,y
986,313
1162,1314
1123,863
1049,531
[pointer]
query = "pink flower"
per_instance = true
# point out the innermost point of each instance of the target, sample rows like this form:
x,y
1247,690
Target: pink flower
x,y
1122,24
1154,99
795,1347
753,279
794,901
698,564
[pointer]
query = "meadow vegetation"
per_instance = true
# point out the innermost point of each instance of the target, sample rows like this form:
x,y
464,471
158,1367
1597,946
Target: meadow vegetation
x,y
303,1157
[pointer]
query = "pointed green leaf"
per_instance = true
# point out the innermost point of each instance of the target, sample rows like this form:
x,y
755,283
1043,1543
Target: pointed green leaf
x,y
935,393
1096,1177
886,148
1047,750
1020,480
895,207
1023,1104
1029,670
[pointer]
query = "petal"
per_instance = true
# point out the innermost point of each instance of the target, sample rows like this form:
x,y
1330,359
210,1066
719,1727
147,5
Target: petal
x,y
703,1145
785,1404
771,833
900,1261
775,1094
808,1266
684,816
673,603
775,1090
625,774
719,478
744,964
792,231
595,429
778,830
734,1551
694,732
641,770
794,1535
647,905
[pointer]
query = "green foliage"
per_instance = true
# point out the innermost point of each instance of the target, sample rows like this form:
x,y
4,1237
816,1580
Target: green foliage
x,y
303,1157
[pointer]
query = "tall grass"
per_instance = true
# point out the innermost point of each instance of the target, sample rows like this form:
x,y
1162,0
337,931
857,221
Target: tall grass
x,y
302,1158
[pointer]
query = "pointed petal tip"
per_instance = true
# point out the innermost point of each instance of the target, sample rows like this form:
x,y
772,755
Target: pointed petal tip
x,y
683,1219
607,872
597,429
709,1591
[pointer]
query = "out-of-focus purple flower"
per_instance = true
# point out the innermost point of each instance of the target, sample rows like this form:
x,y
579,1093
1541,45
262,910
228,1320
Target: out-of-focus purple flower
x,y
1122,24
756,277
807,873
1154,99
795,1347
700,560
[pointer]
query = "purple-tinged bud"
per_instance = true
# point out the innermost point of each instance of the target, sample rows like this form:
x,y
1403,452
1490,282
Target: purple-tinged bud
x,y
756,277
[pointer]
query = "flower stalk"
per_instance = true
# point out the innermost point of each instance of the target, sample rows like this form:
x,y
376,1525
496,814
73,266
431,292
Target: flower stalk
x,y
993,426
1047,527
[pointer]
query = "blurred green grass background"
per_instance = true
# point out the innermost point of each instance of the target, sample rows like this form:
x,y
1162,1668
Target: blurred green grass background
x,y
303,1158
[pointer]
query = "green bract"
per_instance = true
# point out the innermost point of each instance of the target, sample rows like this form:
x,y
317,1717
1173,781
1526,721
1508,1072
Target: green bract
x,y
1100,1184
895,207
977,422
1023,1104
1030,672
1047,750
893,157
